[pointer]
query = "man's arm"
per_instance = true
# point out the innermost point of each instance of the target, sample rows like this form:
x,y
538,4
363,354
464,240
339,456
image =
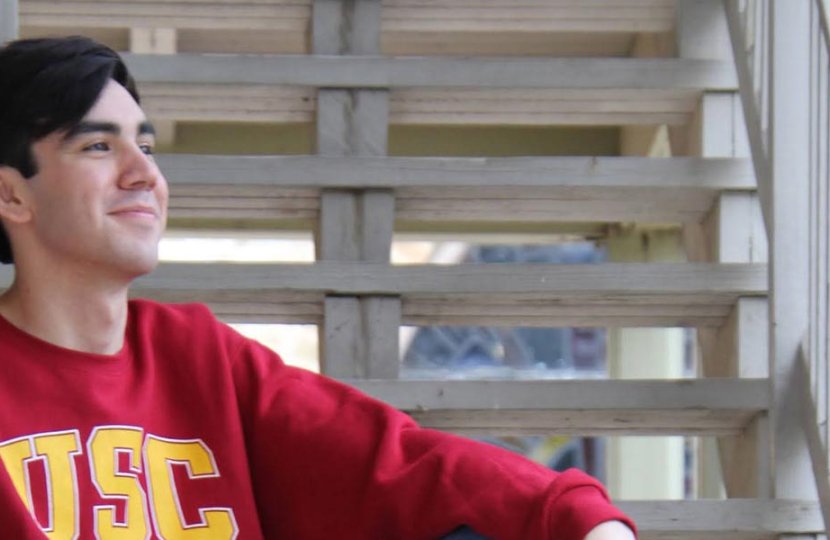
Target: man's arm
x,y
325,457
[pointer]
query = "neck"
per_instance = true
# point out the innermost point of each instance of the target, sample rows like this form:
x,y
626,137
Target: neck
x,y
73,313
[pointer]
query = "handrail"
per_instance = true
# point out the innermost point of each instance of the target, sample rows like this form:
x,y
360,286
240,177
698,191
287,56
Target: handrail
x,y
749,32
818,336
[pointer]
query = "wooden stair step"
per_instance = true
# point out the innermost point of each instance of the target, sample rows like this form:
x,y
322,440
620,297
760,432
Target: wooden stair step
x,y
590,27
516,294
541,190
231,102
627,294
730,519
385,72
398,15
431,90
577,407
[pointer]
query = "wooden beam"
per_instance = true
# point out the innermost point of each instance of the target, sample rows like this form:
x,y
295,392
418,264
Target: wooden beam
x,y
360,172
157,41
576,407
359,335
734,519
789,154
508,295
586,422
628,294
497,190
230,102
816,440
609,16
756,126
732,232
699,284
751,395
328,71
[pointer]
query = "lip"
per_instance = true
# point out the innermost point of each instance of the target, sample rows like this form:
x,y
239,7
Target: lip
x,y
137,211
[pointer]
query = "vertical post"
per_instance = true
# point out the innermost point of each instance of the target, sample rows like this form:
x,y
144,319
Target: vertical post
x,y
789,275
733,232
359,337
157,41
9,21
645,467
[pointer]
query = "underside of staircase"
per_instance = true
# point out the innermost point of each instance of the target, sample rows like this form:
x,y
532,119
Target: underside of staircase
x,y
343,119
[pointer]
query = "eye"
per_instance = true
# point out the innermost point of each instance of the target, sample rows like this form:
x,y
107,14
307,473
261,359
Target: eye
x,y
97,147
146,148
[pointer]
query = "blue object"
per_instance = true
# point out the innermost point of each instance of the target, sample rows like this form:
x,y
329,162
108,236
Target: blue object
x,y
464,533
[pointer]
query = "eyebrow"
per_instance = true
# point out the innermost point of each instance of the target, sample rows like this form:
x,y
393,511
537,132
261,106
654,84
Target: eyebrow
x,y
83,127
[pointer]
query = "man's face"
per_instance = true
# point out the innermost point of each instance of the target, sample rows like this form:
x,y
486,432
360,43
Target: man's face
x,y
98,199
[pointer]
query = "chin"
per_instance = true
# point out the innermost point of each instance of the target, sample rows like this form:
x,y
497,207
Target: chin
x,y
137,264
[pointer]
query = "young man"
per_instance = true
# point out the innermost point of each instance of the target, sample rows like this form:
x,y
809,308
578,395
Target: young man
x,y
132,419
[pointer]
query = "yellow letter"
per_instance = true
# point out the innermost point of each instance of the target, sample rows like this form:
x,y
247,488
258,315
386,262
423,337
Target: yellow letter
x,y
105,444
59,450
216,524
15,454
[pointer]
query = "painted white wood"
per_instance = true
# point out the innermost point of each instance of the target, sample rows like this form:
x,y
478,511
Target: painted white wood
x,y
9,17
381,317
750,395
632,425
341,338
537,295
754,108
468,189
576,407
490,209
615,294
359,334
352,122
737,229
356,172
533,28
812,431
789,159
645,468
338,237
733,232
737,519
398,15
157,41
702,31
657,283
231,102
329,71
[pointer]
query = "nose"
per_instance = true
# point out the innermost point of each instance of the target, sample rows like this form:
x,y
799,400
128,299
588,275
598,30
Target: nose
x,y
139,171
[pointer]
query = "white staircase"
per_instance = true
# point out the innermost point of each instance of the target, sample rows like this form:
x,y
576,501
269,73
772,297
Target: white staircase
x,y
365,77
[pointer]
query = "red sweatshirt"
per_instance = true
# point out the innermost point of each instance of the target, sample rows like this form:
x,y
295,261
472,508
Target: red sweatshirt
x,y
193,431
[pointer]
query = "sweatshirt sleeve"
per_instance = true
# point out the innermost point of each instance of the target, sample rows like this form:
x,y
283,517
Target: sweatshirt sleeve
x,y
327,460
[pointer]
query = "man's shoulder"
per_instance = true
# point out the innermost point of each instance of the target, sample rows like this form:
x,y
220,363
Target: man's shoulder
x,y
188,327
191,315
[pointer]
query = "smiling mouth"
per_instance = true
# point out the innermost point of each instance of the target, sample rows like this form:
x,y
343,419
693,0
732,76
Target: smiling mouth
x,y
136,212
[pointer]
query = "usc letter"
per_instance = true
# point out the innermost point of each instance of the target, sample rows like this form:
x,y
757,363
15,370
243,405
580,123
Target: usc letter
x,y
105,444
217,523
57,450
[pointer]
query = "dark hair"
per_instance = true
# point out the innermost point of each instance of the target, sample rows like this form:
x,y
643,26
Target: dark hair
x,y
49,85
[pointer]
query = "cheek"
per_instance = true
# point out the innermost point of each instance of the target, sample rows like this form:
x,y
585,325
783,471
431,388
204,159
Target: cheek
x,y
162,193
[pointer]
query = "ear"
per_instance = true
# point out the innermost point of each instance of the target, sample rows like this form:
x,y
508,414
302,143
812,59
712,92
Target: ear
x,y
14,207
